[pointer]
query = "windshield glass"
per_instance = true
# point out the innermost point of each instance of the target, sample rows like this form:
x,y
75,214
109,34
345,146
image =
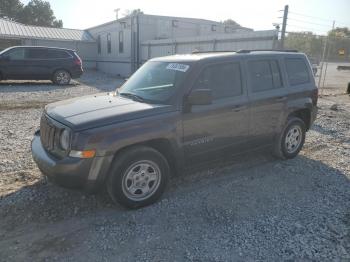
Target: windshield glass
x,y
155,81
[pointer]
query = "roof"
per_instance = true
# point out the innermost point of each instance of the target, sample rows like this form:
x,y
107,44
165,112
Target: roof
x,y
223,54
11,29
191,20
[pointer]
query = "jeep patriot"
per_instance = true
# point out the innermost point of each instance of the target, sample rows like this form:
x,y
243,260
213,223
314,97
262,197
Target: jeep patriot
x,y
173,111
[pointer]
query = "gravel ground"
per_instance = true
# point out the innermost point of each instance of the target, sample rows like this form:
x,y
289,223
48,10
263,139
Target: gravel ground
x,y
246,208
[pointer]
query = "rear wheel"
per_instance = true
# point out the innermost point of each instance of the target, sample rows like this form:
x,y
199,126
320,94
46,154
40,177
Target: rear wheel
x,y
138,177
291,140
61,77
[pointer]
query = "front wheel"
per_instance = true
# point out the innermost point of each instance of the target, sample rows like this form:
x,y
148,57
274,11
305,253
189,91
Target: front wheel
x,y
138,177
291,140
61,77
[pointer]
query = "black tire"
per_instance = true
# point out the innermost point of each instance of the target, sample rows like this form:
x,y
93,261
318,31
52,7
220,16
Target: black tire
x,y
117,182
285,150
61,77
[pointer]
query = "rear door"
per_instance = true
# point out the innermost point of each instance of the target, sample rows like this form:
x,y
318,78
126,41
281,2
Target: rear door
x,y
267,96
225,122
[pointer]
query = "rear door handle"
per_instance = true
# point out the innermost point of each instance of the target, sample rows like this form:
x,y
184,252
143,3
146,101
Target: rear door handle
x,y
281,98
239,108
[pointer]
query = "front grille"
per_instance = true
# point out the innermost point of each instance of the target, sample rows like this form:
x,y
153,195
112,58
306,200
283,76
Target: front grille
x,y
49,133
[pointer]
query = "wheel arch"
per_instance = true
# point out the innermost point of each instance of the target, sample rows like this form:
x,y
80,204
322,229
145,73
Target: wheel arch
x,y
163,146
304,114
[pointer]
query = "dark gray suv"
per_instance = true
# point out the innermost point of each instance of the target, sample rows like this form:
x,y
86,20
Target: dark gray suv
x,y
59,65
175,111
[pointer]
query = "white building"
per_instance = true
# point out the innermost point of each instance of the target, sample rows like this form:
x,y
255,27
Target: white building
x,y
121,46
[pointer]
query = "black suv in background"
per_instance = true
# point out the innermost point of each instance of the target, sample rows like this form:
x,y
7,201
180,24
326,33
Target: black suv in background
x,y
40,63
176,111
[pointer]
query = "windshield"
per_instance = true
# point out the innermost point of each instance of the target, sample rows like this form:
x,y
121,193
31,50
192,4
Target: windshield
x,y
155,81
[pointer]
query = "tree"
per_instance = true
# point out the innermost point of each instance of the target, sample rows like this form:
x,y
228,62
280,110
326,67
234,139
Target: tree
x,y
38,12
10,9
231,22
133,12
340,32
306,42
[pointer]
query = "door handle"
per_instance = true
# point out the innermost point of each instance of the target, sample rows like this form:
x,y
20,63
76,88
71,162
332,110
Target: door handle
x,y
281,98
238,108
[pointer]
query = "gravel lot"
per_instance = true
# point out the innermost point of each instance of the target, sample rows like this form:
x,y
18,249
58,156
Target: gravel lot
x,y
246,208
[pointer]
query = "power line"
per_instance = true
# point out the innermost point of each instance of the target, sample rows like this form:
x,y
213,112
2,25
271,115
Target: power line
x,y
307,22
323,19
307,28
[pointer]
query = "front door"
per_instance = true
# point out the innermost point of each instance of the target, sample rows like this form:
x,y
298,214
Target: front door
x,y
225,122
14,64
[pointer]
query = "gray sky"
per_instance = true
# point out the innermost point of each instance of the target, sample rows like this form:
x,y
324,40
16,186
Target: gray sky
x,y
256,14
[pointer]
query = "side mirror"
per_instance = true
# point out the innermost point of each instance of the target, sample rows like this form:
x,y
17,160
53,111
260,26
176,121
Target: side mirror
x,y
200,97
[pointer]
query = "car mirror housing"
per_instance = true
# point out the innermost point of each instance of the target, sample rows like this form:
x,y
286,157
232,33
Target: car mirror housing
x,y
200,97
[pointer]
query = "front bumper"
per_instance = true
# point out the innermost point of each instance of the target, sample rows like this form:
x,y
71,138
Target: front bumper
x,y
70,171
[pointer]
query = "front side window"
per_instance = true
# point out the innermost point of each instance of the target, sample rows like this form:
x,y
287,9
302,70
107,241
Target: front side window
x,y
297,71
109,44
17,54
264,75
155,81
223,79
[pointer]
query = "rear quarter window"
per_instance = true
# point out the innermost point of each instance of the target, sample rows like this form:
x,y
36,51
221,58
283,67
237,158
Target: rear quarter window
x,y
297,71
54,54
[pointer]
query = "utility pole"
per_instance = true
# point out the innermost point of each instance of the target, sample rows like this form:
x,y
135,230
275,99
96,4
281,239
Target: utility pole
x,y
323,58
327,57
284,25
116,13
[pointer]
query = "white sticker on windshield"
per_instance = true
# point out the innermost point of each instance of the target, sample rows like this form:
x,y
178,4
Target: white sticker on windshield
x,y
178,67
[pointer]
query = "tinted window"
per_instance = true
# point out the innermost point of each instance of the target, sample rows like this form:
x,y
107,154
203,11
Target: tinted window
x,y
260,75
17,54
58,54
297,71
276,74
37,53
224,80
109,45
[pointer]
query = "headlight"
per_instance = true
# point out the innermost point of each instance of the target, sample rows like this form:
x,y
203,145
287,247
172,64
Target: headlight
x,y
64,139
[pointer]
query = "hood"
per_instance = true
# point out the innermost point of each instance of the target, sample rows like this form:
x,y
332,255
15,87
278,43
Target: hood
x,y
100,110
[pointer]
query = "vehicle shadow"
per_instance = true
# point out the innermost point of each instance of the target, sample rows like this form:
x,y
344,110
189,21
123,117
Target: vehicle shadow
x,y
304,174
32,86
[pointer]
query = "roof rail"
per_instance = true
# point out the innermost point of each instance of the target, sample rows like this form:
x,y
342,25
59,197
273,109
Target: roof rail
x,y
216,51
274,50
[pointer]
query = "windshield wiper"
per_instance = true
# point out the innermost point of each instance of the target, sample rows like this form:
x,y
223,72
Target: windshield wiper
x,y
133,97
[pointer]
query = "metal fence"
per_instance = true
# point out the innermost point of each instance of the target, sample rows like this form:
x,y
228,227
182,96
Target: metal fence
x,y
228,42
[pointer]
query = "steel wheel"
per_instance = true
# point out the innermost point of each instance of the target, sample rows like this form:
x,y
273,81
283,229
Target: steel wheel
x,y
141,180
293,139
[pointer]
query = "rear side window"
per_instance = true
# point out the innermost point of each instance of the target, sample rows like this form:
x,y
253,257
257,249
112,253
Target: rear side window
x,y
37,53
297,71
224,80
265,75
58,54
